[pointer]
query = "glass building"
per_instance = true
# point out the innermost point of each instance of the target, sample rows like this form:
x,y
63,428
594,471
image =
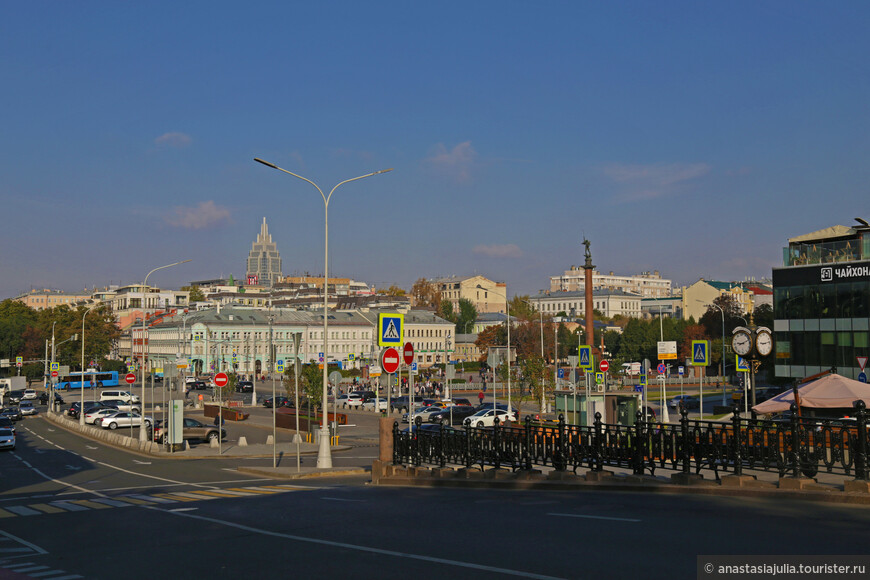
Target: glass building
x,y
821,303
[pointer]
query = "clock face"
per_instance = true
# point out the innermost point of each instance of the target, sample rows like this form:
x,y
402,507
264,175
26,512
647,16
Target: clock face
x,y
741,343
764,343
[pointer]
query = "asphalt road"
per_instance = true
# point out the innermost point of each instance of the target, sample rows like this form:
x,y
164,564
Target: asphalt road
x,y
74,508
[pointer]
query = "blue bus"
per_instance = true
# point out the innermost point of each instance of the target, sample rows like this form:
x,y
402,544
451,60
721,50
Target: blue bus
x,y
93,379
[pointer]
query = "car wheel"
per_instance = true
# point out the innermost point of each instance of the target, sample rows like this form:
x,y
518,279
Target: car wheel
x,y
212,436
480,423
113,425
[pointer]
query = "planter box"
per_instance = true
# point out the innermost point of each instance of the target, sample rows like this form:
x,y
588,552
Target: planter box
x,y
226,414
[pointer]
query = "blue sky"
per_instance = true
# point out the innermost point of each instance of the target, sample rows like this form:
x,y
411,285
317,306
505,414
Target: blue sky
x,y
690,138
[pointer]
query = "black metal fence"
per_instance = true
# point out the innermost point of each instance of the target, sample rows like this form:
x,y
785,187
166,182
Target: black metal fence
x,y
792,446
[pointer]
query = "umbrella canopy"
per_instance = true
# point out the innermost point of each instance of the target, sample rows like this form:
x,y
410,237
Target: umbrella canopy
x,y
832,391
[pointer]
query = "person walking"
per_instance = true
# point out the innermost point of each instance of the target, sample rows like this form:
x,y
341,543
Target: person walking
x,y
480,397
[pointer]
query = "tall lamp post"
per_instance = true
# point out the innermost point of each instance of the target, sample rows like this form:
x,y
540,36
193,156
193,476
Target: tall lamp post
x,y
82,407
507,309
142,435
324,458
713,304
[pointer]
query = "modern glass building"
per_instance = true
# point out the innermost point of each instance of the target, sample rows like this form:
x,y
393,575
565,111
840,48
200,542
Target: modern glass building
x,y
822,302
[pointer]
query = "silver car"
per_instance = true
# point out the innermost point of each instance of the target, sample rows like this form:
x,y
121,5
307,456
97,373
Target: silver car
x,y
7,439
27,408
123,419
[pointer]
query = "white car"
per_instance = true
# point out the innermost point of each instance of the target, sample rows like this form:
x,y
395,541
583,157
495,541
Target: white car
x,y
123,419
422,412
29,395
91,417
352,400
486,417
372,404
7,439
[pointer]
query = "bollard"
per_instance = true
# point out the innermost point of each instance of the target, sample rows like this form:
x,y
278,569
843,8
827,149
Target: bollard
x,y
270,440
243,441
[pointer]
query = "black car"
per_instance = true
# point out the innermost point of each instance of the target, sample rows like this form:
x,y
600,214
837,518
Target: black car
x,y
43,398
12,413
14,397
459,414
197,386
73,411
245,387
281,401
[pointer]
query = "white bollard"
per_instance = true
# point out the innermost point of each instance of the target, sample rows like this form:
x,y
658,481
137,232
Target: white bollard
x,y
243,442
270,440
214,442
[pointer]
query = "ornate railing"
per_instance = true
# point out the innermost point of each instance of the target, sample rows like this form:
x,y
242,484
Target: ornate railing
x,y
795,446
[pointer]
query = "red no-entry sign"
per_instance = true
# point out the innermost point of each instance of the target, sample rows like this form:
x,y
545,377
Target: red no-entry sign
x,y
130,378
221,379
390,360
408,353
603,366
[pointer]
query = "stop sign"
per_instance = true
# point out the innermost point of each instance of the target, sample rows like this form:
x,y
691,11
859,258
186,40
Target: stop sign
x,y
603,366
221,379
408,353
130,378
390,360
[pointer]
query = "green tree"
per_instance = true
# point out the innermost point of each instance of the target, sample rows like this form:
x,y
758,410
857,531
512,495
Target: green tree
x,y
196,294
311,383
466,316
535,373
425,294
445,311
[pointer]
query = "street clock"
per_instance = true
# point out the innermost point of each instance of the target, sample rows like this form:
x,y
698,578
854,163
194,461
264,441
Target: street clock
x,y
741,342
763,341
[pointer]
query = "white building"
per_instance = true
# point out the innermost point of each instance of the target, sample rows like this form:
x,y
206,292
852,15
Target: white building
x,y
647,285
608,302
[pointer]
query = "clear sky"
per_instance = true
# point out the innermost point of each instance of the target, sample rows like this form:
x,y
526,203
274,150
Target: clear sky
x,y
693,138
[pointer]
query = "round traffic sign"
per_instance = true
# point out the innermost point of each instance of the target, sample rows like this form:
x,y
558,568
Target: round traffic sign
x,y
54,373
221,379
408,353
130,378
661,368
603,366
390,360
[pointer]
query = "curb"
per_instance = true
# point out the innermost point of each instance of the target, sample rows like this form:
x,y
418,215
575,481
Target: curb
x,y
285,473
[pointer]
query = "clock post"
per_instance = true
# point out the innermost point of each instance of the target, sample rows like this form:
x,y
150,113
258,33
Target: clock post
x,y
757,340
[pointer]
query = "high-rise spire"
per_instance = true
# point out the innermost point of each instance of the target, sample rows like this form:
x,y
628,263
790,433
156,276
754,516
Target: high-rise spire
x,y
264,262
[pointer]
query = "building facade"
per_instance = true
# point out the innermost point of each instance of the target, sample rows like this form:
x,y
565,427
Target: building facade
x,y
608,302
45,298
264,262
490,297
821,303
646,284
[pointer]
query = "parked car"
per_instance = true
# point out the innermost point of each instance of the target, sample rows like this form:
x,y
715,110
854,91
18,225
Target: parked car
x,y
27,408
675,402
73,410
245,387
7,439
121,405
352,400
12,413
427,428
122,419
374,403
461,402
94,414
43,398
402,404
191,429
122,395
422,412
29,395
486,417
197,386
687,401
458,414
281,401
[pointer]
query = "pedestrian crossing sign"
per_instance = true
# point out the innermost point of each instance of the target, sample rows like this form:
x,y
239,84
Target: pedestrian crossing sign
x,y
700,353
390,329
585,357
742,364
642,380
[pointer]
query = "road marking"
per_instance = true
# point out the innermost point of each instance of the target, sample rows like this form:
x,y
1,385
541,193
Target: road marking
x,y
112,502
342,499
420,557
45,508
33,547
134,500
154,498
89,504
70,507
595,517
142,462
216,494
190,509
253,490
89,447
18,568
22,510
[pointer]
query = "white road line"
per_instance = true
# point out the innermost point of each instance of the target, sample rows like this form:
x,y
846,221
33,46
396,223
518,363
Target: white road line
x,y
420,557
595,517
33,547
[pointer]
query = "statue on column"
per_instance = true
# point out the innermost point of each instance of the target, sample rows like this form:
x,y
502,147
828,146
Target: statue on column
x,y
588,253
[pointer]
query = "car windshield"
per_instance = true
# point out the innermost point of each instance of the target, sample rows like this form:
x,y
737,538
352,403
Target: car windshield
x,y
5,432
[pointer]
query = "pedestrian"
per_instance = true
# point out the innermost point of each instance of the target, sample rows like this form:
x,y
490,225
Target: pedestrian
x,y
480,397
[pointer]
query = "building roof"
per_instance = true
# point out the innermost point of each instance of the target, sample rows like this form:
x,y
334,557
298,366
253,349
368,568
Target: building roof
x,y
825,234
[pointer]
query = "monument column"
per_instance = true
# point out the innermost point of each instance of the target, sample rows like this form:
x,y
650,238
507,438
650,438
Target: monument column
x,y
588,267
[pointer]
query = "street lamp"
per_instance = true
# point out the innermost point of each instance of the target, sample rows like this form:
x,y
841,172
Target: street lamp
x,y
507,309
713,304
142,435
324,459
82,407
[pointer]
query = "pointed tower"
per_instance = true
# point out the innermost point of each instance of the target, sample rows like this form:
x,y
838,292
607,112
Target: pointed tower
x,y
264,262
